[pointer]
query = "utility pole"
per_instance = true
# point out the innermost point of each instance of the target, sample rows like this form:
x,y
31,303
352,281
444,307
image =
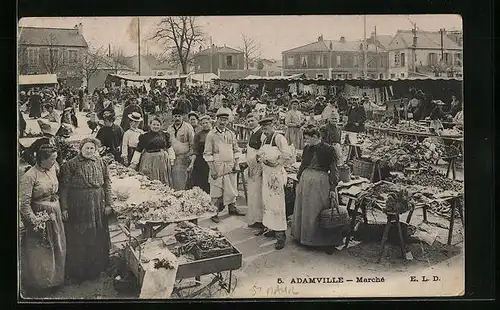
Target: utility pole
x,y
139,42
211,46
364,48
442,47
376,49
414,46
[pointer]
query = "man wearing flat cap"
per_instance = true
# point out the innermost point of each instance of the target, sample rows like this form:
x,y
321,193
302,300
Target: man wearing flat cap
x,y
222,154
182,135
274,155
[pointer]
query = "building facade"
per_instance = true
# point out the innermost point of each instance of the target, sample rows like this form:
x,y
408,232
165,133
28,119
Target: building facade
x,y
52,51
217,58
424,53
336,59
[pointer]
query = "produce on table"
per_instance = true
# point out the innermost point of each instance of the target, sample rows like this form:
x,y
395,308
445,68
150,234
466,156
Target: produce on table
x,y
193,237
397,154
452,132
425,186
403,126
391,198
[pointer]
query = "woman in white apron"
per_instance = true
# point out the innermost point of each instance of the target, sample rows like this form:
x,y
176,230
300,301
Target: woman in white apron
x,y
273,155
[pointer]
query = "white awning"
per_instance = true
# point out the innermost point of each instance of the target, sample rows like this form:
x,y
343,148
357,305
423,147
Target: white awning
x,y
38,79
204,77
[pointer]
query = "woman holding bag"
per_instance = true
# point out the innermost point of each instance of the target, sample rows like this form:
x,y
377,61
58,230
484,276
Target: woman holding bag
x,y
318,177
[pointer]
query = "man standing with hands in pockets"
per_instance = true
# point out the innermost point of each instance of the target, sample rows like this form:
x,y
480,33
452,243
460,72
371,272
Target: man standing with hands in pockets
x,y
221,153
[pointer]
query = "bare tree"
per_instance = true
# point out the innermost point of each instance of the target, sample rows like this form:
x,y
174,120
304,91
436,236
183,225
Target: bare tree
x,y
251,50
119,59
52,56
92,60
180,35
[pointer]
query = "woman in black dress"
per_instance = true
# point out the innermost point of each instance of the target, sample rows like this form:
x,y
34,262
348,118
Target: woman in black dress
x,y
198,168
154,154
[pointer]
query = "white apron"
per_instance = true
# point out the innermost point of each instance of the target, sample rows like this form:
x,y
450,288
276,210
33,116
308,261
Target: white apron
x,y
225,186
254,187
181,162
273,191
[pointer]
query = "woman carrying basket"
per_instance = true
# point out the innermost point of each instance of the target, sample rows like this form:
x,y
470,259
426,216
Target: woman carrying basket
x,y
318,178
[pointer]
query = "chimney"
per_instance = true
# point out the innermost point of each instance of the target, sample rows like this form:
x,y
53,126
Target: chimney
x,y
320,38
342,39
79,28
415,41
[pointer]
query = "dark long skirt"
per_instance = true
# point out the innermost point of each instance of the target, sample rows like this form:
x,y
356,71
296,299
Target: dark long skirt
x,y
88,240
156,166
44,257
312,197
199,175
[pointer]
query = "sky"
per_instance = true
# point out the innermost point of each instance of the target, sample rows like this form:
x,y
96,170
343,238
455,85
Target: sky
x,y
274,33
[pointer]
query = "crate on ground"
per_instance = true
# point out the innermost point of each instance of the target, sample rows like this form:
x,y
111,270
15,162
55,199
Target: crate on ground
x,y
211,253
363,168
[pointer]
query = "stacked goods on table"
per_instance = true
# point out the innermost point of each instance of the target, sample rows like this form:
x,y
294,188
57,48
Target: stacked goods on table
x,y
390,197
397,154
452,132
409,126
429,187
201,242
139,199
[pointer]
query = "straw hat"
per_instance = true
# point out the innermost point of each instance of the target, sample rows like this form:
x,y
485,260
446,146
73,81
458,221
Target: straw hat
x,y
135,117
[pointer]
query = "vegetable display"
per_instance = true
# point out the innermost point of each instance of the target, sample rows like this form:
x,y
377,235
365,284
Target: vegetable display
x,y
161,202
410,126
66,149
193,238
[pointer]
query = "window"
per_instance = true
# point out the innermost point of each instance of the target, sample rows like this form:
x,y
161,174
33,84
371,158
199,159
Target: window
x,y
339,61
73,56
54,55
251,65
458,59
229,61
33,57
432,59
290,60
303,61
396,59
403,59
381,75
356,61
393,75
402,75
319,60
334,76
319,76
450,74
447,59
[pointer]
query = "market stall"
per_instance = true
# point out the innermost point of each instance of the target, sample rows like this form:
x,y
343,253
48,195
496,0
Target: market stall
x,y
37,80
186,248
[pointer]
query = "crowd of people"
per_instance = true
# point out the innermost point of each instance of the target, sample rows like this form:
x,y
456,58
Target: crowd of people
x,y
196,147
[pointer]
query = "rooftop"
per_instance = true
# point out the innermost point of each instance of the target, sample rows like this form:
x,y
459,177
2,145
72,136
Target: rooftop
x,y
426,40
219,49
324,46
51,36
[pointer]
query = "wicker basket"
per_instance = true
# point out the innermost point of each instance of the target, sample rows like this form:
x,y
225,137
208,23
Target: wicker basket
x,y
203,254
363,168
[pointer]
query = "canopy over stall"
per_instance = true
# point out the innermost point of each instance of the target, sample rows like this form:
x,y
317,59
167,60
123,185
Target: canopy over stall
x,y
37,80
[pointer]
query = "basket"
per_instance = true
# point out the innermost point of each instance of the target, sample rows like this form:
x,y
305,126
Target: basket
x,y
203,254
363,168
